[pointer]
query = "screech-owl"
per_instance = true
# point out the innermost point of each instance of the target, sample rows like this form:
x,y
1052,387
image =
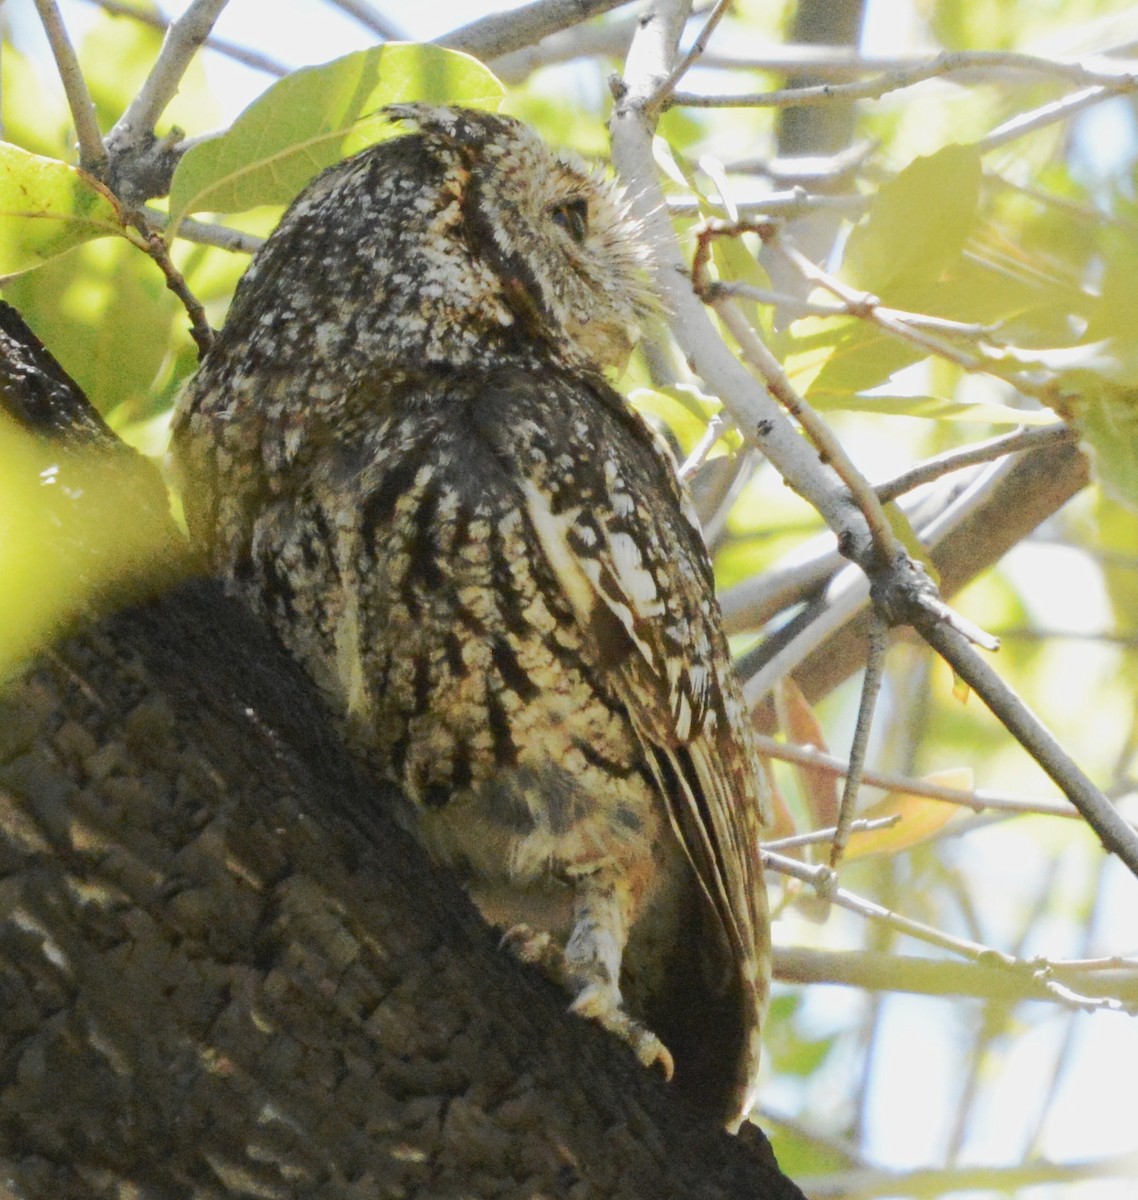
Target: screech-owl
x,y
402,452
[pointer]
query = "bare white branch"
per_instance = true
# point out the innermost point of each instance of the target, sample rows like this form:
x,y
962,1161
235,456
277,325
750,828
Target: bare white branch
x,y
503,33
183,39
1112,76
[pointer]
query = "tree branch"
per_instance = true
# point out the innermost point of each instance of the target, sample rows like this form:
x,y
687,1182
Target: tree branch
x,y
1116,835
878,971
241,54
1118,82
92,155
134,129
978,799
826,642
754,411
1040,971
503,33
370,19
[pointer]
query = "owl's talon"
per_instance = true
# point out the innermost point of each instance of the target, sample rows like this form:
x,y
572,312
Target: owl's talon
x,y
595,1001
601,1005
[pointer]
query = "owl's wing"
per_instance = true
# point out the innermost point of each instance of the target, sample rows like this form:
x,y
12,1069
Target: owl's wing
x,y
636,574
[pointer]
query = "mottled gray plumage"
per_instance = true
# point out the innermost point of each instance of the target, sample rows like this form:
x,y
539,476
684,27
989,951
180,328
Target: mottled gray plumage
x,y
402,452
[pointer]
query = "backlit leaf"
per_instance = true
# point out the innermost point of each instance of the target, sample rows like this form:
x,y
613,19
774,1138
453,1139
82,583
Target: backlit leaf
x,y
917,224
316,116
797,720
921,816
48,208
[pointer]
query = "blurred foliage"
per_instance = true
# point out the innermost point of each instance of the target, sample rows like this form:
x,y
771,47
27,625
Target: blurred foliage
x,y
80,530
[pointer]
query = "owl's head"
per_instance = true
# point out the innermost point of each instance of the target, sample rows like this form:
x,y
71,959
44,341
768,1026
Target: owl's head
x,y
558,236
465,239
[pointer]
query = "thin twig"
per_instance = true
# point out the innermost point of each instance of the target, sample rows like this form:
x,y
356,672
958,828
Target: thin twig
x,y
861,307
183,39
241,54
921,332
711,434
664,91
885,543
870,690
796,202
869,1183
92,153
866,306
207,234
875,970
823,880
818,836
598,41
153,244
948,63
978,800
370,19
955,460
1114,833
1047,114
840,63
1102,637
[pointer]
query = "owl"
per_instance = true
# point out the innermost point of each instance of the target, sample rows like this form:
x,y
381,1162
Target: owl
x,y
403,453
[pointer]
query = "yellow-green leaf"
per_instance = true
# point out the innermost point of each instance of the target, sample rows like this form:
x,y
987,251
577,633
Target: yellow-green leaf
x,y
917,224
799,722
684,410
60,551
937,408
1108,422
316,116
921,816
48,208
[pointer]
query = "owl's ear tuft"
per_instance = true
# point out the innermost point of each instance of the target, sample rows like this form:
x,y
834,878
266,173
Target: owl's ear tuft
x,y
424,115
464,126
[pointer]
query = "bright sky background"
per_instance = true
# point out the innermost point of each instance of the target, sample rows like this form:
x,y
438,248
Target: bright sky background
x,y
914,1100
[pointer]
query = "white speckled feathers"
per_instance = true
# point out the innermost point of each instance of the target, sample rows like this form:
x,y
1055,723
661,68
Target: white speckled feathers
x,y
401,451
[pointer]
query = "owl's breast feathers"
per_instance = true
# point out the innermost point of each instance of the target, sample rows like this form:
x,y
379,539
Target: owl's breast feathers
x,y
526,640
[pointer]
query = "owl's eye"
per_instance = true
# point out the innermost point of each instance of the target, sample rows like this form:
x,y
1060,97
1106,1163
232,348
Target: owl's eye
x,y
573,216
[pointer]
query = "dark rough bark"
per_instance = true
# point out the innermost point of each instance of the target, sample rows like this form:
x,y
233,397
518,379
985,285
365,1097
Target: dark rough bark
x,y
225,972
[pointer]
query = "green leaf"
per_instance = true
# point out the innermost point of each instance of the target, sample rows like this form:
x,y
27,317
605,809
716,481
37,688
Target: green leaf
x,y
917,224
316,116
1108,422
48,208
939,408
110,320
863,357
685,411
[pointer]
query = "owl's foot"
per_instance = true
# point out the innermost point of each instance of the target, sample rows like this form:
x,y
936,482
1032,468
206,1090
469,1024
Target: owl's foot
x,y
588,966
538,948
603,1005
597,1000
